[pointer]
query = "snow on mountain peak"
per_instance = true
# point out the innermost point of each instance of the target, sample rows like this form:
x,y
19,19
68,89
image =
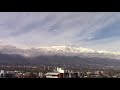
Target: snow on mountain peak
x,y
53,50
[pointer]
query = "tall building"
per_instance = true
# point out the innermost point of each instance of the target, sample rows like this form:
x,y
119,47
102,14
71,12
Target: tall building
x,y
2,74
2,71
41,75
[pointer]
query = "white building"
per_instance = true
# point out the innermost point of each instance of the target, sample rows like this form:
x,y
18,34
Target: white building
x,y
52,75
56,74
88,73
2,72
40,74
60,70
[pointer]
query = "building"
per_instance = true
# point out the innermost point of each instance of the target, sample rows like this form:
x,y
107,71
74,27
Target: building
x,y
74,75
2,74
66,75
58,73
60,70
71,75
52,75
40,75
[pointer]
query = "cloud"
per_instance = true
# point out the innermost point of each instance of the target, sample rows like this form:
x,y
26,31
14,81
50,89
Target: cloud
x,y
86,29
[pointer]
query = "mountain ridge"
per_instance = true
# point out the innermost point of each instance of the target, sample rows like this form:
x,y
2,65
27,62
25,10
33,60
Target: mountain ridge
x,y
59,50
55,55
7,59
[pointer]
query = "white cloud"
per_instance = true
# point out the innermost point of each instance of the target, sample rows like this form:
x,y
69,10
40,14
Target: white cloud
x,y
53,28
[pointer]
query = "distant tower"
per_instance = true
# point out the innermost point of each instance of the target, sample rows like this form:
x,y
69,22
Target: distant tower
x,y
2,72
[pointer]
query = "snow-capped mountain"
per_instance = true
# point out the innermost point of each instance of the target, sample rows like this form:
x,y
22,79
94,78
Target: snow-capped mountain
x,y
55,55
58,50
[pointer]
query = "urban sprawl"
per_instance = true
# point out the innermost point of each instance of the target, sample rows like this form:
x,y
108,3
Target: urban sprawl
x,y
21,71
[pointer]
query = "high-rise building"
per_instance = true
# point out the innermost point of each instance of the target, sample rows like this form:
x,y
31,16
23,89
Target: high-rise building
x,y
40,75
2,74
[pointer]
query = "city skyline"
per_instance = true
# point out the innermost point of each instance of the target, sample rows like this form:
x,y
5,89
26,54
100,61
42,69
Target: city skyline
x,y
95,30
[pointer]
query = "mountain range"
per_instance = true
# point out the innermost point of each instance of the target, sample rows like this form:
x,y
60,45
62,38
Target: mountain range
x,y
54,55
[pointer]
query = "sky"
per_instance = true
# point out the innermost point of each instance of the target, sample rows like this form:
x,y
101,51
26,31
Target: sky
x,y
95,30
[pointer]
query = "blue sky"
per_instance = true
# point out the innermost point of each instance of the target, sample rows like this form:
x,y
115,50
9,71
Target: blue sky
x,y
97,30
